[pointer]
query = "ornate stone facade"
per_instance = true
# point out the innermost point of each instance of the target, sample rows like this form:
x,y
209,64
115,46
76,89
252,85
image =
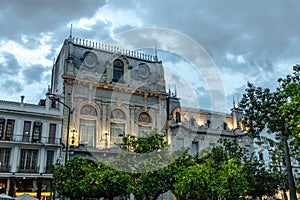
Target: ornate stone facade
x,y
115,92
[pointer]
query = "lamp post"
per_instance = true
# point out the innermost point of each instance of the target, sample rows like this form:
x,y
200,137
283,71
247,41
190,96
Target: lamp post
x,y
287,157
70,111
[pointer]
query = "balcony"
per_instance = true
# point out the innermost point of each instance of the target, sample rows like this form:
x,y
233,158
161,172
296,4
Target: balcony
x,y
4,168
29,139
35,170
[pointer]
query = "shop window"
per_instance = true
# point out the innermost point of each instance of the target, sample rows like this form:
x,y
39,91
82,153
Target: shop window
x,y
24,185
26,131
5,159
3,185
37,131
118,70
28,161
52,133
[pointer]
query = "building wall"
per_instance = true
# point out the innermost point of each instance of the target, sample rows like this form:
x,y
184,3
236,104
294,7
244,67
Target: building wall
x,y
27,147
87,81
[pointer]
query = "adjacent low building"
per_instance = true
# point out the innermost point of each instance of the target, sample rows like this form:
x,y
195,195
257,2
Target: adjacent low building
x,y
30,143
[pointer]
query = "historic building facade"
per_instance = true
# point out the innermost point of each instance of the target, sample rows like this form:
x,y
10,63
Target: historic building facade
x,y
114,92
30,142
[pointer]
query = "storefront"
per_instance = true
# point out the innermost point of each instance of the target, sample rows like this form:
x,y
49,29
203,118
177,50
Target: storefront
x,y
3,185
39,187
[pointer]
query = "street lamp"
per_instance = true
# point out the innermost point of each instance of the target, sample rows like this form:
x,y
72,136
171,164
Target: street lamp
x,y
286,149
70,111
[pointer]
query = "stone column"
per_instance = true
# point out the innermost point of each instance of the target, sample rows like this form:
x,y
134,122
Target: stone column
x,y
131,121
104,124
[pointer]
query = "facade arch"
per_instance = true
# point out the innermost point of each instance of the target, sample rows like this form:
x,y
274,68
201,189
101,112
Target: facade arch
x,y
88,124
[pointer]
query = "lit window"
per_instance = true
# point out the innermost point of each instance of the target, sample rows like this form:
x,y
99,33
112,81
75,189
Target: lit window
x,y
88,132
26,131
37,131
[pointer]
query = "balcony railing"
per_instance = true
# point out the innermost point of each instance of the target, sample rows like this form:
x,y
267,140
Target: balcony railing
x,y
30,139
4,168
35,170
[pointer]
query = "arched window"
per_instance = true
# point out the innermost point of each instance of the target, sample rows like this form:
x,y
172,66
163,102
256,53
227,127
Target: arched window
x,y
118,71
87,130
88,110
145,120
118,114
178,117
144,117
117,126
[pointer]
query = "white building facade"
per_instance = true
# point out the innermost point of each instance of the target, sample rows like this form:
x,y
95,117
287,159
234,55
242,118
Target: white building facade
x,y
30,143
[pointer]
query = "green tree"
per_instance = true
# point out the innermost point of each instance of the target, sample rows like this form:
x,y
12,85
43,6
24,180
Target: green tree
x,y
80,178
150,163
264,110
67,178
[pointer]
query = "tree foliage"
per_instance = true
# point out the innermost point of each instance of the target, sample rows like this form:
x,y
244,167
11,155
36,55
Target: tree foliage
x,y
272,109
222,172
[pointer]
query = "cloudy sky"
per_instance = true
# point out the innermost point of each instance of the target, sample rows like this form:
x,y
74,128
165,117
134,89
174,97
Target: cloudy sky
x,y
256,41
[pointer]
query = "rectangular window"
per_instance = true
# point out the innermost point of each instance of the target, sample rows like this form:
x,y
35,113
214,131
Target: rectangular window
x,y
52,133
9,129
117,131
88,132
26,131
144,130
2,123
195,148
180,143
4,159
36,131
49,161
28,161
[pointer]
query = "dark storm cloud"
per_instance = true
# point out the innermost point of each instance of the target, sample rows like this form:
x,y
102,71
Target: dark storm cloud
x,y
33,74
263,29
35,16
11,87
10,66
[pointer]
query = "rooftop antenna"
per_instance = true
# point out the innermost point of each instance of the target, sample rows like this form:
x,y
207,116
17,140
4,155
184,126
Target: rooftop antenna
x,y
155,57
70,37
233,101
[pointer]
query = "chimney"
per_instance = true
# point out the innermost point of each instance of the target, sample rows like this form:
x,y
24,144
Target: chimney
x,y
22,98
